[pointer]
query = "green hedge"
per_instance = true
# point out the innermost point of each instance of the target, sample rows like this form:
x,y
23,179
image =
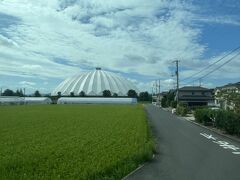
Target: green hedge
x,y
181,109
203,116
226,120
229,121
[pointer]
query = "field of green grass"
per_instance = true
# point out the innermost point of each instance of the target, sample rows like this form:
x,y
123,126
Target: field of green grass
x,y
72,141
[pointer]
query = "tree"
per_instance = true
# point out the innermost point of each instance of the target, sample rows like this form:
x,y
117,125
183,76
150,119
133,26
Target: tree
x,y
37,94
107,93
8,92
82,94
72,94
59,94
115,94
164,101
144,96
170,98
132,93
19,93
174,104
233,99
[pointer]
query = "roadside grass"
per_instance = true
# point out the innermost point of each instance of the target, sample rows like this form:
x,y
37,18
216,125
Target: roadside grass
x,y
72,141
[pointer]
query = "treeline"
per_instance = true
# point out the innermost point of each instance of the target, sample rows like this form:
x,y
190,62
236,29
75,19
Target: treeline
x,y
142,96
168,100
19,93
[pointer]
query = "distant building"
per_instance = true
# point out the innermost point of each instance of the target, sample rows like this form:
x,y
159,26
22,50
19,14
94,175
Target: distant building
x,y
196,96
96,100
232,87
15,100
157,98
223,93
93,83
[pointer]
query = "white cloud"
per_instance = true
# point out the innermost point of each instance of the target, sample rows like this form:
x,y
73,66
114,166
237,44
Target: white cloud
x,y
26,83
106,33
34,66
232,20
130,36
7,42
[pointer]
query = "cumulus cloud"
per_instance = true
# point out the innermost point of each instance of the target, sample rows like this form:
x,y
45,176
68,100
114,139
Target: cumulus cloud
x,y
26,83
4,41
115,35
128,36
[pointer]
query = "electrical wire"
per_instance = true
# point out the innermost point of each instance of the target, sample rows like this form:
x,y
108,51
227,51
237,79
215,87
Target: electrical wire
x,y
200,78
234,50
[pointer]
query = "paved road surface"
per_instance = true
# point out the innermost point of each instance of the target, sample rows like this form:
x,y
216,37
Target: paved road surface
x,y
184,154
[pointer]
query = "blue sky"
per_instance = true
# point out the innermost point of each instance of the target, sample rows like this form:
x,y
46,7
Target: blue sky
x,y
43,42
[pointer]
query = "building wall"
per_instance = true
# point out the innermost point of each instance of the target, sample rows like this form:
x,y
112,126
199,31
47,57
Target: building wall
x,y
196,97
195,93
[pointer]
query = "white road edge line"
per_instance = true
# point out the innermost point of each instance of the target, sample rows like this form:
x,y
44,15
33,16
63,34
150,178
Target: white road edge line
x,y
223,144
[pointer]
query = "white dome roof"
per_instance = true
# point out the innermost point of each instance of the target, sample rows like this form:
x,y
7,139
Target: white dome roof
x,y
93,83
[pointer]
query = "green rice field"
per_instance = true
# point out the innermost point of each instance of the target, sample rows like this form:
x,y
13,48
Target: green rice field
x,y
72,141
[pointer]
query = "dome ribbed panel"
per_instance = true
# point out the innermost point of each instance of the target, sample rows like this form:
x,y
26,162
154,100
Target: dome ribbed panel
x,y
60,86
87,81
67,87
113,85
120,90
102,82
74,83
94,83
91,84
123,85
77,85
106,82
127,85
99,83
85,76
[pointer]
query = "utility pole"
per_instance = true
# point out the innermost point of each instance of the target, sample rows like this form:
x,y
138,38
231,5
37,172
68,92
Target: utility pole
x,y
159,81
177,75
159,101
200,82
156,87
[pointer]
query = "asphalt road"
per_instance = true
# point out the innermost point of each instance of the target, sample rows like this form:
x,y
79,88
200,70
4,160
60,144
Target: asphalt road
x,y
185,154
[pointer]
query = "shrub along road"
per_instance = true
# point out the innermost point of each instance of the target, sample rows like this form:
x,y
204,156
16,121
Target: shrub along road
x,y
187,151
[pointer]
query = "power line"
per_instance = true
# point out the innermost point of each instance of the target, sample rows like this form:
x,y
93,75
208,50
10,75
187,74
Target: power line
x,y
200,78
212,64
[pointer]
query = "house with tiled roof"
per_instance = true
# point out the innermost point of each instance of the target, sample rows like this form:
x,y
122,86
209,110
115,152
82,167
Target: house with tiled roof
x,y
226,96
195,96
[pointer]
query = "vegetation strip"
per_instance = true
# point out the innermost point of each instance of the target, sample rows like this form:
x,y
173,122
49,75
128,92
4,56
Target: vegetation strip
x,y
138,168
226,120
211,129
73,141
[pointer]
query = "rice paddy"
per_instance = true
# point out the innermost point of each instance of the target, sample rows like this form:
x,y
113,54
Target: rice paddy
x,y
72,141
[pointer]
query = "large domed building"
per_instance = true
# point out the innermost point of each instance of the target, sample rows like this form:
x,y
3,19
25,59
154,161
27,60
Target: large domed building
x,y
93,83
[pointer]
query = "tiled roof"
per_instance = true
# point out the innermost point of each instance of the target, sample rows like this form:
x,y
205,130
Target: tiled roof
x,y
229,85
193,88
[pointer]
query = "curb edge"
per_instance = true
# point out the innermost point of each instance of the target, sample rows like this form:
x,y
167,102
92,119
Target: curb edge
x,y
213,130
138,168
